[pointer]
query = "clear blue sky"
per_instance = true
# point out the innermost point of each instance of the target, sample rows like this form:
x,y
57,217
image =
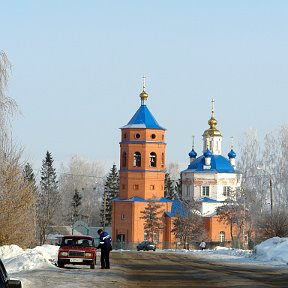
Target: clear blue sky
x,y
78,67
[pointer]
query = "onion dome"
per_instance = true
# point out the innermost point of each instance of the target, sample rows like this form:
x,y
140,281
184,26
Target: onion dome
x,y
192,153
207,153
231,154
143,95
212,131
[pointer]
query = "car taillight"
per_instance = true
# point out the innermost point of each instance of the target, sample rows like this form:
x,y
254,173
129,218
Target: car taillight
x,y
64,253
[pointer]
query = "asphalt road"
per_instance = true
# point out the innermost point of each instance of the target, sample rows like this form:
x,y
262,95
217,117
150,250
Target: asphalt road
x,y
156,269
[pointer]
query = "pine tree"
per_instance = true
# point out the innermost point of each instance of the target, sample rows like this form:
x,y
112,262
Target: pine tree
x,y
49,198
29,176
169,191
111,191
76,202
178,189
153,219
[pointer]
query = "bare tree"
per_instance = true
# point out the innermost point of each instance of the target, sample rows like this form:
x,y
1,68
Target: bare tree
x,y
87,178
16,203
275,225
188,224
16,194
8,106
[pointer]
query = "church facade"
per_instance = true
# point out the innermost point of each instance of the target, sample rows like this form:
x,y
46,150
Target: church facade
x,y
210,179
142,174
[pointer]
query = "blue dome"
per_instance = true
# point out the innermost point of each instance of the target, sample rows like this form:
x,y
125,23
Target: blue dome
x,y
232,154
192,154
218,164
143,118
207,153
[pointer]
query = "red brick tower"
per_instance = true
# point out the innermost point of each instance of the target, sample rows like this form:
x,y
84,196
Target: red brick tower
x,y
142,172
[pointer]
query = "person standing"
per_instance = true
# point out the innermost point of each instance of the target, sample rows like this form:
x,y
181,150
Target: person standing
x,y
105,246
202,245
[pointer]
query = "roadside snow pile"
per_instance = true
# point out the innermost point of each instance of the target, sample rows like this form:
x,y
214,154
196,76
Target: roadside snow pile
x,y
232,251
8,251
16,259
274,249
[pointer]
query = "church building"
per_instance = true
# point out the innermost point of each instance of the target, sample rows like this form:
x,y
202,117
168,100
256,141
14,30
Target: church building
x,y
210,179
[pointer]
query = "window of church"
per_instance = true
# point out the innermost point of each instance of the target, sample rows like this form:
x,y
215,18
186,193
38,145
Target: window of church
x,y
226,191
222,236
122,216
152,187
137,136
137,159
124,159
187,190
162,160
205,191
136,187
152,159
153,136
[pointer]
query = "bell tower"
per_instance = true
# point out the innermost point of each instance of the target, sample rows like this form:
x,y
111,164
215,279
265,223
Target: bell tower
x,y
142,155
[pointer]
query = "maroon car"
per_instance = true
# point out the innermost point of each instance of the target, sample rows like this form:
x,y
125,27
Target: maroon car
x,y
77,250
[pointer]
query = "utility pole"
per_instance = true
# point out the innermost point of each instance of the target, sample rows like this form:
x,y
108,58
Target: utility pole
x,y
270,188
271,194
104,210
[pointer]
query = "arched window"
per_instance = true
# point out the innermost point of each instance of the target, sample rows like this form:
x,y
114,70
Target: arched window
x,y
153,159
222,236
162,160
137,159
124,159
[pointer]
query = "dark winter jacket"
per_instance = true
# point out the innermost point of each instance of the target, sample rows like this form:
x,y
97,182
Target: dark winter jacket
x,y
105,241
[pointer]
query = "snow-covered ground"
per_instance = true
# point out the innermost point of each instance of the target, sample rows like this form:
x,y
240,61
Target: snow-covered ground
x,y
273,252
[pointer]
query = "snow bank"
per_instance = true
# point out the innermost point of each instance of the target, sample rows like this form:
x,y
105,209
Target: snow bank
x,y
16,259
272,250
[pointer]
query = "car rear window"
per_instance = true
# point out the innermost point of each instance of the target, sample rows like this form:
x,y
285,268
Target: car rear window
x,y
77,242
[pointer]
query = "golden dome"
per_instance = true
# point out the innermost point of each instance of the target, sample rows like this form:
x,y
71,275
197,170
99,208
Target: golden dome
x,y
212,131
143,95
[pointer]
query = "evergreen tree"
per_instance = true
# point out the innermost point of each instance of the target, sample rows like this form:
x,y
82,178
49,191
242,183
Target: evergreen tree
x,y
49,198
178,189
111,191
153,219
29,176
169,191
76,202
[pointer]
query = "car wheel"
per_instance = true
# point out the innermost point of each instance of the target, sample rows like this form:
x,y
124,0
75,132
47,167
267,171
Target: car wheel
x,y
60,264
92,266
154,249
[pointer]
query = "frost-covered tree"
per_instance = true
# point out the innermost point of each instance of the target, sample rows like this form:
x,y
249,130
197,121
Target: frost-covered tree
x,y
48,198
188,224
87,177
16,195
